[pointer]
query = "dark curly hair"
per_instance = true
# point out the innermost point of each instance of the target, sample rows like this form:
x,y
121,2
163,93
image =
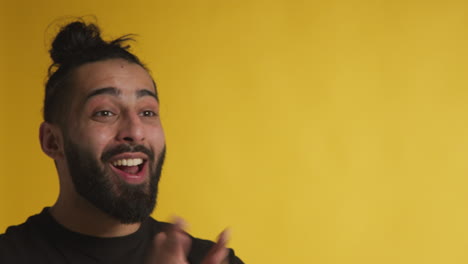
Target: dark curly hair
x,y
76,44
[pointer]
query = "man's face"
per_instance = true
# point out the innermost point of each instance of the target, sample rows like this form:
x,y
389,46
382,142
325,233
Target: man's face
x,y
114,142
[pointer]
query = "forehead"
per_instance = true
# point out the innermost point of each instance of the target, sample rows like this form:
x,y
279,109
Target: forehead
x,y
117,73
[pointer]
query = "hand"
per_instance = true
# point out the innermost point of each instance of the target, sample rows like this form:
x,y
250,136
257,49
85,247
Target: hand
x,y
173,245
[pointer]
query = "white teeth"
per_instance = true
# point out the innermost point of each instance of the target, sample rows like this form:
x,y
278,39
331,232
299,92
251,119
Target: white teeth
x,y
127,162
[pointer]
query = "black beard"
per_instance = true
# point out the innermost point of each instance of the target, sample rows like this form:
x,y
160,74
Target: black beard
x,y
128,203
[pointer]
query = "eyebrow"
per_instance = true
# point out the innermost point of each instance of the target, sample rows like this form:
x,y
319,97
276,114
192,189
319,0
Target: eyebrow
x,y
116,92
107,90
144,92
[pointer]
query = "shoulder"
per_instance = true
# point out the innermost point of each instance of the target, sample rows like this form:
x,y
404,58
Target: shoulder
x,y
18,233
17,240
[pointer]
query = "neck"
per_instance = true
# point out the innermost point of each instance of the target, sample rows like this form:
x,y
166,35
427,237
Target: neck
x,y
80,216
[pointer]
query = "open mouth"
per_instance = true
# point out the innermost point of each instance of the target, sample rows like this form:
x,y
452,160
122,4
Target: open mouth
x,y
129,166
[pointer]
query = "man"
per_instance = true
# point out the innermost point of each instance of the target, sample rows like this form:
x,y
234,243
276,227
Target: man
x,y
103,131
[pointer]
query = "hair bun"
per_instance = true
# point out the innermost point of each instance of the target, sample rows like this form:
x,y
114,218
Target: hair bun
x,y
73,40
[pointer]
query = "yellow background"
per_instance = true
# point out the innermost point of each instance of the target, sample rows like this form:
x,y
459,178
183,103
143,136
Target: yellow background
x,y
320,131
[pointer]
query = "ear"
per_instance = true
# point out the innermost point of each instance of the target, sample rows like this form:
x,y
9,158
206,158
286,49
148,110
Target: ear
x,y
51,140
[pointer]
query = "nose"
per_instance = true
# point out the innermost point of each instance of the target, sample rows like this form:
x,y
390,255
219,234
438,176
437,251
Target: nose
x,y
130,129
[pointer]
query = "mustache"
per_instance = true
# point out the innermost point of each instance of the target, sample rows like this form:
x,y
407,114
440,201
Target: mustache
x,y
108,154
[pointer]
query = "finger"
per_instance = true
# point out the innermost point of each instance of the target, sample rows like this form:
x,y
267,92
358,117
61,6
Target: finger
x,y
171,245
177,235
223,238
159,239
218,252
179,223
154,254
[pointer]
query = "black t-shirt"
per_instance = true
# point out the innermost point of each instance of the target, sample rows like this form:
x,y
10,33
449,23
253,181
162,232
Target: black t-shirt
x,y
42,240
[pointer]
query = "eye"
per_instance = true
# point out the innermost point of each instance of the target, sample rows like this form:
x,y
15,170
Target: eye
x,y
103,113
148,113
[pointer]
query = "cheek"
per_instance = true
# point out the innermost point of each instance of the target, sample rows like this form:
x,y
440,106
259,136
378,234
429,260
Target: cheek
x,y
95,139
156,138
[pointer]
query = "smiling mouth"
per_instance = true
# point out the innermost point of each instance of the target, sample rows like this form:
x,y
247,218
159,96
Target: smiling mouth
x,y
130,166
